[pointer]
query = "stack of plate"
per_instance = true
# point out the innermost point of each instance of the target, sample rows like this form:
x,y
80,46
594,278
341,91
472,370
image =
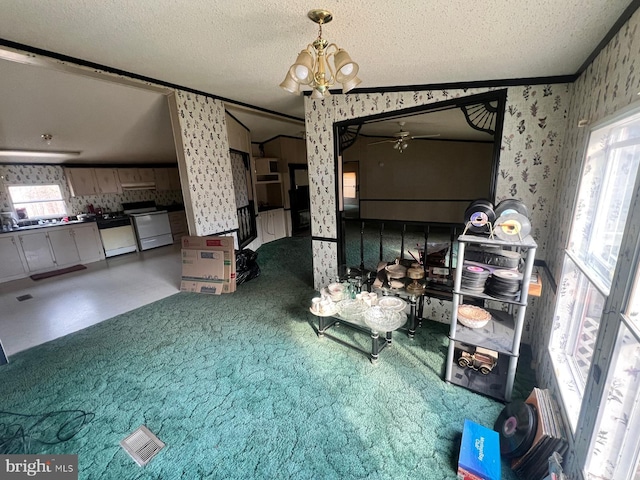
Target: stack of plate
x,y
504,284
474,278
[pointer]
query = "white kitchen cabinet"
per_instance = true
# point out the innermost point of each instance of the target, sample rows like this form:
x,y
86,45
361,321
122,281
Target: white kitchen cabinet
x,y
136,176
11,266
167,178
272,225
37,251
82,181
107,180
87,241
48,248
63,246
147,175
163,181
174,179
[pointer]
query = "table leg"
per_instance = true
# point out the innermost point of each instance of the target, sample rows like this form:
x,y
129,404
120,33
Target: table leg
x,y
375,347
321,326
412,316
389,338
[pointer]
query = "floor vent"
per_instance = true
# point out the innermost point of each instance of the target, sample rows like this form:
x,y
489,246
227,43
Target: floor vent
x,y
142,445
22,298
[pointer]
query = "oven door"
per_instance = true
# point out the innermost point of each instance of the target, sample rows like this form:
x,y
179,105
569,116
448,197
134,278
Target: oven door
x,y
118,240
153,229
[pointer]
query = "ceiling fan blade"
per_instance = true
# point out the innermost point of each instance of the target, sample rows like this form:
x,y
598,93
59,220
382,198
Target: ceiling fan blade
x,y
426,136
382,141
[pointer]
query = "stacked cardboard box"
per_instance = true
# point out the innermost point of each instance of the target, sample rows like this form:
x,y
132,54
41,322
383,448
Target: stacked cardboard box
x,y
208,265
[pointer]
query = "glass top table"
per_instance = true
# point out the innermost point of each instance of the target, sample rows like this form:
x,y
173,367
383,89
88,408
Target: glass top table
x,y
370,314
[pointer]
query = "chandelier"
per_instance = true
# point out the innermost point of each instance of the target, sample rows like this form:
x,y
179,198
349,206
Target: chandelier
x,y
312,67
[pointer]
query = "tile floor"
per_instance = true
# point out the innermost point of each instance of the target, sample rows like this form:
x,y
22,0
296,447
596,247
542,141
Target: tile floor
x,y
71,302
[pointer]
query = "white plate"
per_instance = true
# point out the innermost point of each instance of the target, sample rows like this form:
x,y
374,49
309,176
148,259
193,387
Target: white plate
x,y
327,312
394,304
381,320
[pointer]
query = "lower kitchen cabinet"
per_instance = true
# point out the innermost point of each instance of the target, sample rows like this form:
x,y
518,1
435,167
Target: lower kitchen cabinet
x,y
50,248
10,259
272,225
37,251
64,248
87,241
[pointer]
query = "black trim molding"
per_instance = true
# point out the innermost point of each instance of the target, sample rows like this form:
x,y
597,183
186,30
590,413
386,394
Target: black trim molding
x,y
324,239
241,124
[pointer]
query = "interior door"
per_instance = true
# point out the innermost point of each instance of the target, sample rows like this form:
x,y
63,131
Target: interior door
x,y
299,199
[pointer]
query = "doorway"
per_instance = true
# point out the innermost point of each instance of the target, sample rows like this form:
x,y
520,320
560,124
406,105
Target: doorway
x,y
299,199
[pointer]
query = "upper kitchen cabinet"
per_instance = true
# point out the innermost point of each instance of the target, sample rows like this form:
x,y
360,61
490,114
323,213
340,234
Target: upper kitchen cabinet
x,y
167,178
174,179
107,180
162,178
136,177
82,181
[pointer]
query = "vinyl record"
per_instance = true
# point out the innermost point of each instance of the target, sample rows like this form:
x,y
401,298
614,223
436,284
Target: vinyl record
x,y
516,426
511,205
512,227
479,215
509,275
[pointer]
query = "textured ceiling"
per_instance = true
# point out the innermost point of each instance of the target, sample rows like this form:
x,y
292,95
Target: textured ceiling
x,y
241,50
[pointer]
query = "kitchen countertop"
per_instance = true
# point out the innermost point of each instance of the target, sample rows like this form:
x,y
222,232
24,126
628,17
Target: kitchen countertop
x,y
46,225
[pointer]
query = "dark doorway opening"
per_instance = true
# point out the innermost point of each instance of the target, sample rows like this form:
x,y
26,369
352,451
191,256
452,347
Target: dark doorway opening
x,y
299,199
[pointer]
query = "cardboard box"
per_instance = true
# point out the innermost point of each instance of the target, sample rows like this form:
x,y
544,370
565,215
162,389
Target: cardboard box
x,y
479,453
208,265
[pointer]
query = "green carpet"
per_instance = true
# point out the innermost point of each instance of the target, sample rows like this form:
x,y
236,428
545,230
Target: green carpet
x,y
239,386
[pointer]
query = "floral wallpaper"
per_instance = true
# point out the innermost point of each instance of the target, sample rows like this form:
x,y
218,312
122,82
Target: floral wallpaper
x,y
535,119
207,163
239,179
54,174
324,255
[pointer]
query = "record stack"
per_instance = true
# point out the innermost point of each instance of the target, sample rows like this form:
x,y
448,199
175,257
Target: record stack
x,y
495,256
474,278
530,432
504,284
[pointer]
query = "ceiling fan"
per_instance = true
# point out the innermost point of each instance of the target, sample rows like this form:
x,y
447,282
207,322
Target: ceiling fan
x,y
402,137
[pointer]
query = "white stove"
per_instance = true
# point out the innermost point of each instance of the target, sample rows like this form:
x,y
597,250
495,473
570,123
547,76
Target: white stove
x,y
151,225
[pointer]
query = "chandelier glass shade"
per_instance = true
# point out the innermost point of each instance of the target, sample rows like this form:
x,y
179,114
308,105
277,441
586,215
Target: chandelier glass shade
x,y
313,65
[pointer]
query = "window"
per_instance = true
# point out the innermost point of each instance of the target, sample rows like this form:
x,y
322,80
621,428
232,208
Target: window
x,y
349,184
37,201
600,214
597,292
